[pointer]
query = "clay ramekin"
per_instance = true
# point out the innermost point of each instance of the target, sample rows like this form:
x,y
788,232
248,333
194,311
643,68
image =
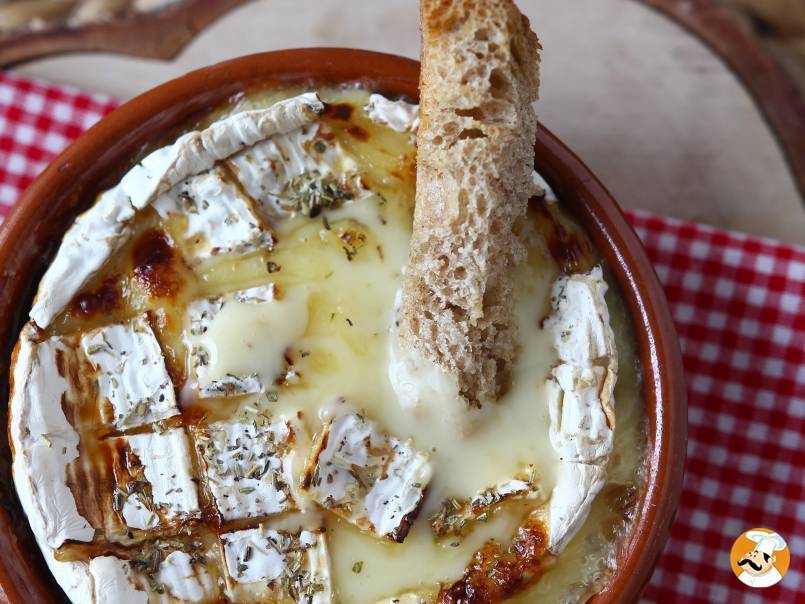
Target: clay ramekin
x,y
99,158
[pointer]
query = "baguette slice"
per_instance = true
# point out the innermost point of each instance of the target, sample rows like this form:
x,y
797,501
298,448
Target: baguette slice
x,y
475,157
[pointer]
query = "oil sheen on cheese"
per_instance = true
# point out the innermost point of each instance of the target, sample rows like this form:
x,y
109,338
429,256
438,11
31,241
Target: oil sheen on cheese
x,y
326,337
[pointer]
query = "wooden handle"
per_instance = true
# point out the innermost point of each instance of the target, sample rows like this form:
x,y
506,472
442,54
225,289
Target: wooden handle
x,y
773,89
160,34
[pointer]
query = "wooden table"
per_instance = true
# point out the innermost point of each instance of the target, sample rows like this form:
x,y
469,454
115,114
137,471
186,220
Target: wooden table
x,y
661,120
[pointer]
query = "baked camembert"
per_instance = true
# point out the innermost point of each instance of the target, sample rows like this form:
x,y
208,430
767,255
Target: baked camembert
x,y
205,406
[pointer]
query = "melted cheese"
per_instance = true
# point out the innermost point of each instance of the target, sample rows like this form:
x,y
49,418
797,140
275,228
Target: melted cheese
x,y
237,343
421,386
346,341
579,430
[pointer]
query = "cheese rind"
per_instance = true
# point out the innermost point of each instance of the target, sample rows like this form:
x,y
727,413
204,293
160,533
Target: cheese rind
x,y
267,170
100,231
577,485
136,512
374,481
458,517
178,578
184,580
73,577
247,467
94,236
231,385
543,189
220,220
579,430
278,564
165,457
131,373
582,333
265,562
397,115
580,397
44,441
113,582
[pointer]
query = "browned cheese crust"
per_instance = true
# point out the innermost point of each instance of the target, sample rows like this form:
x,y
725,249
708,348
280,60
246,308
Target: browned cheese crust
x,y
495,574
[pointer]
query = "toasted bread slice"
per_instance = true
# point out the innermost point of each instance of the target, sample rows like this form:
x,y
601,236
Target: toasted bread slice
x,y
475,157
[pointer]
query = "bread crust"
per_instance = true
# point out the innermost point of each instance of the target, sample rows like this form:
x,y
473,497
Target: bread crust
x,y
475,156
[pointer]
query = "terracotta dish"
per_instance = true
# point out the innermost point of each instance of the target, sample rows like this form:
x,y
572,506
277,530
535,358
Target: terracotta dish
x,y
102,155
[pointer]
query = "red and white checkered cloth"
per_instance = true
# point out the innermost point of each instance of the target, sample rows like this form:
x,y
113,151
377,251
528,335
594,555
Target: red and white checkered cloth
x,y
739,305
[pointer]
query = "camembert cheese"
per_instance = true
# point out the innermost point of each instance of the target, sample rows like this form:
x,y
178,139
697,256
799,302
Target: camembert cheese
x,y
208,406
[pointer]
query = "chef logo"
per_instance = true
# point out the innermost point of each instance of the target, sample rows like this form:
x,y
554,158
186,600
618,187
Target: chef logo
x,y
760,558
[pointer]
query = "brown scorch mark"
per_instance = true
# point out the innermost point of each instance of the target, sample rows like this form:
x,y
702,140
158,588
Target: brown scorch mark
x,y
572,251
495,574
155,264
339,111
358,133
104,299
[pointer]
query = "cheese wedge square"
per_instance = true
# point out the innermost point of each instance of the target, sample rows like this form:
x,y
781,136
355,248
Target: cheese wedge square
x,y
156,574
134,388
165,459
397,115
248,467
373,480
265,564
270,170
152,485
114,581
220,219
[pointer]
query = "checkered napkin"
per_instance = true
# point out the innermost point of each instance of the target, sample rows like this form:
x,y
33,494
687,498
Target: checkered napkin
x,y
739,305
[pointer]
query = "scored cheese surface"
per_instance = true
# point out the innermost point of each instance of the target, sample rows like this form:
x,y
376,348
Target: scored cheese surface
x,y
244,318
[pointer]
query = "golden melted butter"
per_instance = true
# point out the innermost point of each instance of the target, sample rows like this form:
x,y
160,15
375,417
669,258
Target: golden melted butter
x,y
336,279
